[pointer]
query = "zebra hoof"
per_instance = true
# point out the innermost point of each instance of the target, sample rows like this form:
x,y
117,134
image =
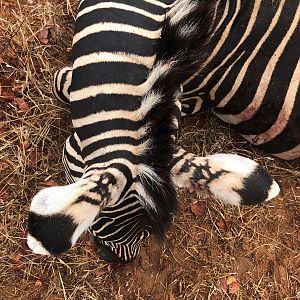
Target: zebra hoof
x,y
106,254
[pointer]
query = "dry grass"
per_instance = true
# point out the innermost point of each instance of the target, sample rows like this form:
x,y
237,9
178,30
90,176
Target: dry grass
x,y
260,246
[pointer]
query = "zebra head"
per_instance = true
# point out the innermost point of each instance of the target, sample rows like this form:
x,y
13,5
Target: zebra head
x,y
58,215
120,230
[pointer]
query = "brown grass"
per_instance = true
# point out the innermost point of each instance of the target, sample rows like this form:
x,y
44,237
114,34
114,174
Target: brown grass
x,y
260,246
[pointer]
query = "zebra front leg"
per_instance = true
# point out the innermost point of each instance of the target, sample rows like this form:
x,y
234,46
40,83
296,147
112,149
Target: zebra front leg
x,y
231,178
61,84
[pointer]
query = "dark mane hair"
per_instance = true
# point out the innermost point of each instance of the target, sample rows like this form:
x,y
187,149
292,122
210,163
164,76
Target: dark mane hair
x,y
182,55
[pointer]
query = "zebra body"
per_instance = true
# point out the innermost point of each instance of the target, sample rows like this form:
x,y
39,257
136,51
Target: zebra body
x,y
251,76
122,162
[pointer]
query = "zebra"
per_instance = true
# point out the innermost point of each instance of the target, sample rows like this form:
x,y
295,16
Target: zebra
x,y
122,161
250,78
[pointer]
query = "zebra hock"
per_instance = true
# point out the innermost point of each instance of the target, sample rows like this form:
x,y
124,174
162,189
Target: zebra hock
x,y
99,188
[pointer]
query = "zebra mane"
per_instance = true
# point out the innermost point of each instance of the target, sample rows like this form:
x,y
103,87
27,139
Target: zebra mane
x,y
177,58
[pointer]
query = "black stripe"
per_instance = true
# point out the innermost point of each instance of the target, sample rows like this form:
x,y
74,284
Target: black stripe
x,y
74,145
107,102
108,72
255,71
88,200
116,15
290,136
114,42
276,93
110,141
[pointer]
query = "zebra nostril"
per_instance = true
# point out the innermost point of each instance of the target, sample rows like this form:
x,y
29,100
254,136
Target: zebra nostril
x,y
106,253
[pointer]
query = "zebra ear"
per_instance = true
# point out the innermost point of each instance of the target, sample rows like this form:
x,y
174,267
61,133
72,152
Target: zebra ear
x,y
59,215
231,178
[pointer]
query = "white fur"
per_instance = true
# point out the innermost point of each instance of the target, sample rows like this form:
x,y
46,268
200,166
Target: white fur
x,y
274,190
179,11
55,199
35,246
234,163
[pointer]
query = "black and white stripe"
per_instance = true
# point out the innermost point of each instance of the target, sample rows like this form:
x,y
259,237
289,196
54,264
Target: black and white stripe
x,y
122,156
252,73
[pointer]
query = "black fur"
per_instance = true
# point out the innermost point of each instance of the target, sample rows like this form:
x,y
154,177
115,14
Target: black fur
x,y
254,191
182,53
48,231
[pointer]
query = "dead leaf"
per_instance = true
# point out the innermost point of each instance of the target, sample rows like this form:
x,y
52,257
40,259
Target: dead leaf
x,y
7,93
234,288
100,272
198,209
50,182
53,296
16,267
3,127
35,156
3,165
21,103
38,283
16,257
1,60
89,246
43,35
178,273
222,225
230,279
222,281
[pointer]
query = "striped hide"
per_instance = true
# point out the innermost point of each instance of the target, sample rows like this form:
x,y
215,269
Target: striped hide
x,y
251,76
122,161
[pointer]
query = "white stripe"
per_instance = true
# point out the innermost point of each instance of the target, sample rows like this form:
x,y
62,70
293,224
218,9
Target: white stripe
x,y
158,18
262,89
199,102
115,27
285,112
219,45
242,73
67,85
180,10
135,150
290,154
225,14
72,152
148,102
216,87
137,134
100,57
159,3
